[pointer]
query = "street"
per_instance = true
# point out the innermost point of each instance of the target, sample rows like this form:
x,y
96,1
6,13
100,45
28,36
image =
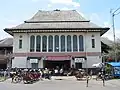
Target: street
x,y
67,84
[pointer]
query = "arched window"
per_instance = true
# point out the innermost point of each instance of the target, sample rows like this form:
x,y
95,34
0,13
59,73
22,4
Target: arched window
x,y
56,46
75,44
68,43
62,43
44,43
50,43
81,43
32,43
38,43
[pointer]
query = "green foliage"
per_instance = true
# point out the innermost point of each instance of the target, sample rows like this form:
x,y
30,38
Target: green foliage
x,y
108,69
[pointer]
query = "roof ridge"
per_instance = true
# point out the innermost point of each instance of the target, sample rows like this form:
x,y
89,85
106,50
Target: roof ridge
x,y
55,10
53,21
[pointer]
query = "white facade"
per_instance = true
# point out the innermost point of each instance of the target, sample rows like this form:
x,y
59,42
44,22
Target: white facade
x,y
84,39
93,54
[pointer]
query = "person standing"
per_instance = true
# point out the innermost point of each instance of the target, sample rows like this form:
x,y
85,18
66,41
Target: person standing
x,y
61,72
91,73
56,72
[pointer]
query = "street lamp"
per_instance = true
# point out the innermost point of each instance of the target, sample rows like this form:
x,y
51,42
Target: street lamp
x,y
113,13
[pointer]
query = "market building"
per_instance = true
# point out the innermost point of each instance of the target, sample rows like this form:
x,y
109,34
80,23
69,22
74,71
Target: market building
x,y
56,38
6,48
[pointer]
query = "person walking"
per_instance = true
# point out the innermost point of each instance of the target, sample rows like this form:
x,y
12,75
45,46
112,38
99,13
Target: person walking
x,y
5,74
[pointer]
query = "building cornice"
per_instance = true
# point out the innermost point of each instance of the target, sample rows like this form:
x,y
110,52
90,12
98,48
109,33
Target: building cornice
x,y
56,30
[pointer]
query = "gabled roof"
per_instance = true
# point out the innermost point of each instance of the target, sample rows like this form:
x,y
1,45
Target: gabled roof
x,y
7,42
57,20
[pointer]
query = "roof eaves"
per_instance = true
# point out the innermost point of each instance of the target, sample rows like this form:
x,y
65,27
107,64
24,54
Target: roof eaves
x,y
10,29
103,31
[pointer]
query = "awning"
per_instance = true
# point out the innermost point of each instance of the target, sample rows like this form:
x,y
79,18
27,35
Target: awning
x,y
58,58
115,64
28,58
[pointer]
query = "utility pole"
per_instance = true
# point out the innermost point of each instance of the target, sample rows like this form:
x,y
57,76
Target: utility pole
x,y
87,78
113,13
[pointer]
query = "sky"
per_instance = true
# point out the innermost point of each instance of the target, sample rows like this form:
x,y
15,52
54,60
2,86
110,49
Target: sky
x,y
15,12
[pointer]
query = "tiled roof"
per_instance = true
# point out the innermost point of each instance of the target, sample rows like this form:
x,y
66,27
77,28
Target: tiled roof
x,y
7,42
49,25
56,15
56,19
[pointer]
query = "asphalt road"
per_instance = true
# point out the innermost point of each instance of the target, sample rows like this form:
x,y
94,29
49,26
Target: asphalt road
x,y
62,85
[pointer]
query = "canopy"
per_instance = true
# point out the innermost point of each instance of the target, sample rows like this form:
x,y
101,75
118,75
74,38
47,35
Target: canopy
x,y
58,58
115,64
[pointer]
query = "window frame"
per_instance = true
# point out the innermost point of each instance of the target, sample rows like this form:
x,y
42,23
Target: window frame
x,y
44,46
38,43
75,44
69,42
50,44
93,43
20,43
32,43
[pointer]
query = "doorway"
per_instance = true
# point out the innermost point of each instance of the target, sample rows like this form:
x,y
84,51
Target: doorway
x,y
34,65
78,65
53,64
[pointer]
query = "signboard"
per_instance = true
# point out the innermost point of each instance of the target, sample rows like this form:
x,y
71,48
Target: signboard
x,y
33,60
79,60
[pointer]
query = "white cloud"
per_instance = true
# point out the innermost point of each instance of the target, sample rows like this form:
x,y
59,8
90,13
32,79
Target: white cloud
x,y
66,2
107,24
35,0
94,17
11,21
49,5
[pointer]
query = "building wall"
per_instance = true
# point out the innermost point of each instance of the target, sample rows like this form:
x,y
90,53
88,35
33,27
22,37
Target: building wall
x,y
25,43
91,59
87,39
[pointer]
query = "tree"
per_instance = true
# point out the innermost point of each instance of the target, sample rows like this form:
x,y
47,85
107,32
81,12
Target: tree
x,y
111,52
